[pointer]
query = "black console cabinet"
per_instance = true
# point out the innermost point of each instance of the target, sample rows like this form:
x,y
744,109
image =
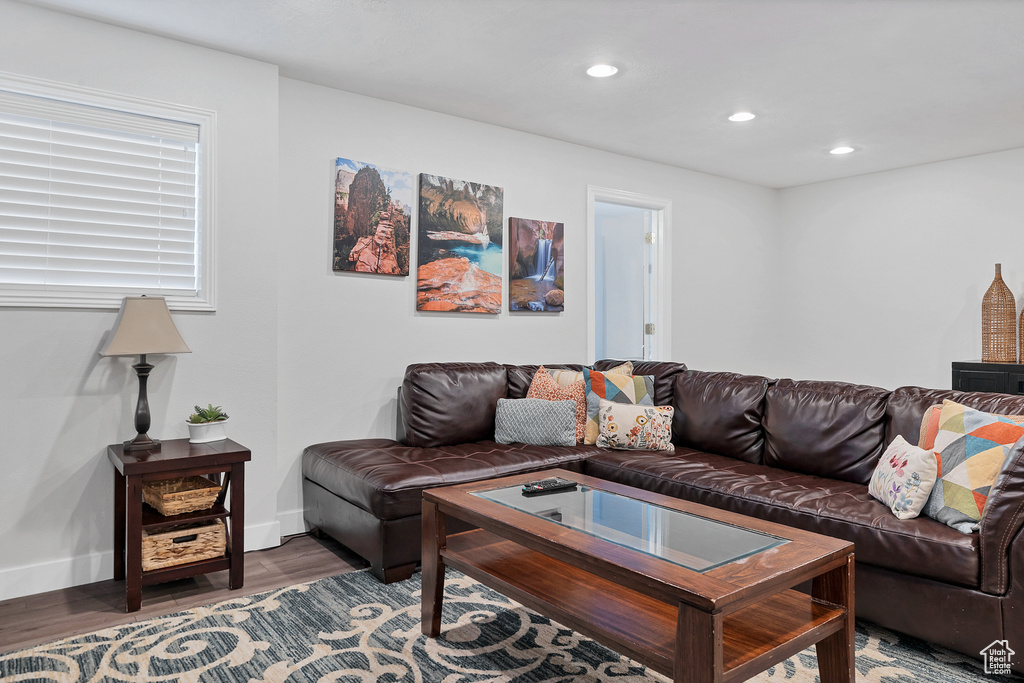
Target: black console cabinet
x,y
1001,378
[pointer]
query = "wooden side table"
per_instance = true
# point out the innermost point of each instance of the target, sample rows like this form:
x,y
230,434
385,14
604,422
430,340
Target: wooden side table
x,y
177,458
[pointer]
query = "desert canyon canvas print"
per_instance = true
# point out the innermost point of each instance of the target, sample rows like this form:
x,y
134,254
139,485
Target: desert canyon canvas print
x,y
460,246
372,208
536,259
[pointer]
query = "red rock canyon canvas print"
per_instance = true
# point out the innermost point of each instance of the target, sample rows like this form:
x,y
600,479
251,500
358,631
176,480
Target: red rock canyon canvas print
x,y
535,262
460,246
372,210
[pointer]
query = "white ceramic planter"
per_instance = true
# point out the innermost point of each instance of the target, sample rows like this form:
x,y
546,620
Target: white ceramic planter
x,y
205,432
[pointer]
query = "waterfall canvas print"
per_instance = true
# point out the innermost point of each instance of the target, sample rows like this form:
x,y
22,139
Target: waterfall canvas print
x,y
372,210
535,257
460,246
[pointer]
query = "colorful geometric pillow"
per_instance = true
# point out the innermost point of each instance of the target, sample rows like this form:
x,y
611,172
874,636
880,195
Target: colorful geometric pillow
x,y
930,425
566,377
903,478
635,389
535,421
544,386
631,427
972,448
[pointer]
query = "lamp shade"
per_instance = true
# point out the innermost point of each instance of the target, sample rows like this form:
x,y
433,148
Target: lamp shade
x,y
144,326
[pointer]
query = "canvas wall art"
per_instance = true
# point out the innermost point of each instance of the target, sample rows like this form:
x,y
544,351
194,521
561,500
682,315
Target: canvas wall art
x,y
372,211
536,259
460,246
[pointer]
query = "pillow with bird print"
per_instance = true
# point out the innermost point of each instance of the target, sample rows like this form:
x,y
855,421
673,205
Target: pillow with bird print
x,y
627,426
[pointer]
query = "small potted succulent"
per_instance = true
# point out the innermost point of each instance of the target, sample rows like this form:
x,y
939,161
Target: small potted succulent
x,y
206,424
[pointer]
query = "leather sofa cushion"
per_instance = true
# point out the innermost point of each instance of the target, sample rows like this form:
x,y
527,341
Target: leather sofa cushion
x,y
387,478
451,403
920,547
829,429
720,412
906,407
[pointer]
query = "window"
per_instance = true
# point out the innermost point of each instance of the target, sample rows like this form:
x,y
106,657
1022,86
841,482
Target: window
x,y
102,196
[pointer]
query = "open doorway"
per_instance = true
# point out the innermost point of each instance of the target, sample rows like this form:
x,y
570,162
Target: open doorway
x,y
627,275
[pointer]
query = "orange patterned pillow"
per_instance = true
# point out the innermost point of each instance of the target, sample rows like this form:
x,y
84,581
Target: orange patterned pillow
x,y
544,386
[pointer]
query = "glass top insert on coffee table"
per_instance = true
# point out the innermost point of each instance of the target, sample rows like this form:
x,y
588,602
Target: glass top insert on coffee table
x,y
687,540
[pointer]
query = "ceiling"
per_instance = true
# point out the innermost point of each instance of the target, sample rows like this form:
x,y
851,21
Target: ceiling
x,y
904,82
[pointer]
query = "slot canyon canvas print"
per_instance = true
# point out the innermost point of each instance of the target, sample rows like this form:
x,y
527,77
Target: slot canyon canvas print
x,y
460,246
535,257
372,210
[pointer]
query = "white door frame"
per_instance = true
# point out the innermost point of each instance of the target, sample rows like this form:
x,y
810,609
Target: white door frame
x,y
661,316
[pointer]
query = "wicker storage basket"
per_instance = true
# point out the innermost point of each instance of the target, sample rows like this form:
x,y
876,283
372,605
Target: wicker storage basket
x,y
184,543
998,322
175,496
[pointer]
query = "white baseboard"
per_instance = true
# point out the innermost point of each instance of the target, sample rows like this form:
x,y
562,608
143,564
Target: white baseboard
x,y
262,536
292,522
16,582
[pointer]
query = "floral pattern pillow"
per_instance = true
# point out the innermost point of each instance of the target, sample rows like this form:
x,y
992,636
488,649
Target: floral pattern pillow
x,y
904,478
626,426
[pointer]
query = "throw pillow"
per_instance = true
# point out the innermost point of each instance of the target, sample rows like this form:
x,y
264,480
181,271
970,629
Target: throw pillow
x,y
904,477
544,387
635,389
635,427
535,421
972,448
930,425
566,377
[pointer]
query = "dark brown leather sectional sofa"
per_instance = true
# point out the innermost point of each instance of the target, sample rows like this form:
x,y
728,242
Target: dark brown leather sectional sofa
x,y
799,453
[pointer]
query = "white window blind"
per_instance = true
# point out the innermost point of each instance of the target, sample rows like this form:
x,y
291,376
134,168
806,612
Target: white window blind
x,y
97,202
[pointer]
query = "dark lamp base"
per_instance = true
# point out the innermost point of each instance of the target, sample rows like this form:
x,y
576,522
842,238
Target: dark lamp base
x,y
142,443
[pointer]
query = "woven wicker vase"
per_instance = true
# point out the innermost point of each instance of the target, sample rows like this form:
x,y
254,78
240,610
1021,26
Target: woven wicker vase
x,y
998,322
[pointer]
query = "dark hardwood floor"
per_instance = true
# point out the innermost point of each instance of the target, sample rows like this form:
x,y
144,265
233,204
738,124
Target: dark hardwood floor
x,y
41,618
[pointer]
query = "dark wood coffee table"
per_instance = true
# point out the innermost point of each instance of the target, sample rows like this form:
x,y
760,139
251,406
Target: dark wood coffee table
x,y
693,592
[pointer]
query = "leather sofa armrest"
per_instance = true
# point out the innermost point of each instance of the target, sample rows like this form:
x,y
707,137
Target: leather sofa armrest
x,y
1001,527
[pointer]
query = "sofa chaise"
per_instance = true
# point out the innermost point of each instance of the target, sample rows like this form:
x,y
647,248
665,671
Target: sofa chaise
x,y
800,453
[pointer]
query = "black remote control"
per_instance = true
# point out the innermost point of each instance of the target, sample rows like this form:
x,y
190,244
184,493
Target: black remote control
x,y
547,486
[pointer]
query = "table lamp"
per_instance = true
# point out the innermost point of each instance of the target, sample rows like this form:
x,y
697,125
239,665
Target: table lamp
x,y
143,326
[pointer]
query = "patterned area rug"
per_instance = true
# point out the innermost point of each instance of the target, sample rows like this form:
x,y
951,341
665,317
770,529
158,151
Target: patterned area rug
x,y
352,628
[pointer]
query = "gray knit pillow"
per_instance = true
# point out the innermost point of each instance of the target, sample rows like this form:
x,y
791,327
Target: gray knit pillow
x,y
535,421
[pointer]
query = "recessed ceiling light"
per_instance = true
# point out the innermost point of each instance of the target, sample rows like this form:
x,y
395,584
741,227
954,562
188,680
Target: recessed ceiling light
x,y
602,71
841,150
742,116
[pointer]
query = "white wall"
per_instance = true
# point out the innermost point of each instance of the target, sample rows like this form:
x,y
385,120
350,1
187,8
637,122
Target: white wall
x,y
345,339
296,353
875,279
61,403
882,275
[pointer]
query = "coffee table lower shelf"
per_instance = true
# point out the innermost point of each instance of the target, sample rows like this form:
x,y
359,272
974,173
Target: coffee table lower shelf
x,y
637,625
